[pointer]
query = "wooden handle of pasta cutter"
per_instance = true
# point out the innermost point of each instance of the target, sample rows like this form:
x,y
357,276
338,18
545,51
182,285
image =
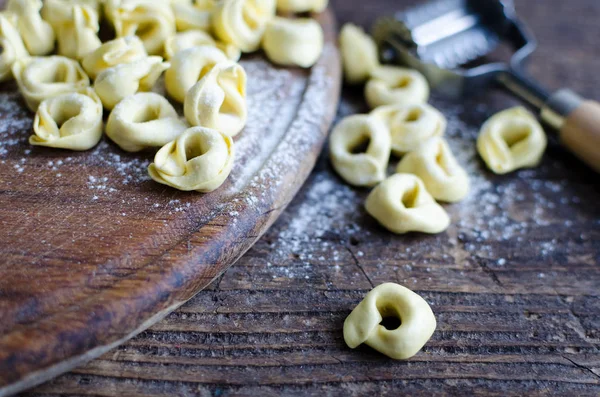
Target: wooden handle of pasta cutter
x,y
581,133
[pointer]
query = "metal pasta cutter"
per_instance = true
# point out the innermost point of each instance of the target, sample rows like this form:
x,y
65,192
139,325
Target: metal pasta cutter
x,y
440,37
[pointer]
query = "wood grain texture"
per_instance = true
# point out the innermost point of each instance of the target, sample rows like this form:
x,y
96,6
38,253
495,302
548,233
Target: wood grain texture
x,y
514,283
94,252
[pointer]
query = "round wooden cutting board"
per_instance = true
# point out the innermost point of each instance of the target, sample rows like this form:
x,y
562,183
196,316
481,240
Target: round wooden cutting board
x,y
93,251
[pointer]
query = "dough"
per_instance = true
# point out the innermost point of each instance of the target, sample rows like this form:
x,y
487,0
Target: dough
x,y
188,67
151,20
242,22
56,12
359,54
411,125
402,204
142,121
510,140
200,159
36,33
118,82
69,121
40,78
122,50
13,47
391,300
393,85
437,167
78,35
301,5
193,14
360,167
293,42
218,100
194,38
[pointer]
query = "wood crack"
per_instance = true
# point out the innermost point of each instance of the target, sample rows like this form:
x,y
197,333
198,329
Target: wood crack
x,y
357,263
582,367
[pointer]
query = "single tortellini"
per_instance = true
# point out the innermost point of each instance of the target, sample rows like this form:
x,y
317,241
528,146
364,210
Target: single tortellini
x,y
151,20
393,85
242,22
200,159
36,33
114,84
194,38
302,5
193,14
144,120
40,78
188,67
360,150
359,54
218,100
439,170
411,125
69,121
122,50
293,42
402,204
78,36
13,47
389,300
510,140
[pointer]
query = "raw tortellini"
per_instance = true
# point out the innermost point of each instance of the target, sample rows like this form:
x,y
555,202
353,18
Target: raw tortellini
x,y
200,159
510,140
193,14
391,85
418,322
142,121
69,121
112,53
437,167
402,204
40,78
218,100
242,22
78,36
295,42
188,67
411,125
194,38
13,47
360,150
359,54
118,82
36,33
301,5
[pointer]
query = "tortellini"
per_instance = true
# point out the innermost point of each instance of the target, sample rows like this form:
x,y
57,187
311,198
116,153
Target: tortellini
x,y
218,100
242,22
359,54
13,47
437,167
411,125
36,33
79,36
402,204
122,50
194,38
510,140
193,14
40,78
188,67
360,150
200,159
295,42
151,20
118,82
142,121
417,322
302,5
58,11
391,85
69,121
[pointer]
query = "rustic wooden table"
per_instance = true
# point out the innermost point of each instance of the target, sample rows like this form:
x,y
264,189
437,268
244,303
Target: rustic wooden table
x,y
514,283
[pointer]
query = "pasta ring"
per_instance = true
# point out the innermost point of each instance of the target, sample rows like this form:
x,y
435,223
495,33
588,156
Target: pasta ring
x,y
112,53
293,42
69,121
391,85
391,300
359,54
37,34
79,35
13,47
194,38
200,159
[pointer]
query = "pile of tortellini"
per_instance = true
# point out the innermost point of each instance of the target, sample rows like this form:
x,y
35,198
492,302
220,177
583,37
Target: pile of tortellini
x,y
68,76
403,124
